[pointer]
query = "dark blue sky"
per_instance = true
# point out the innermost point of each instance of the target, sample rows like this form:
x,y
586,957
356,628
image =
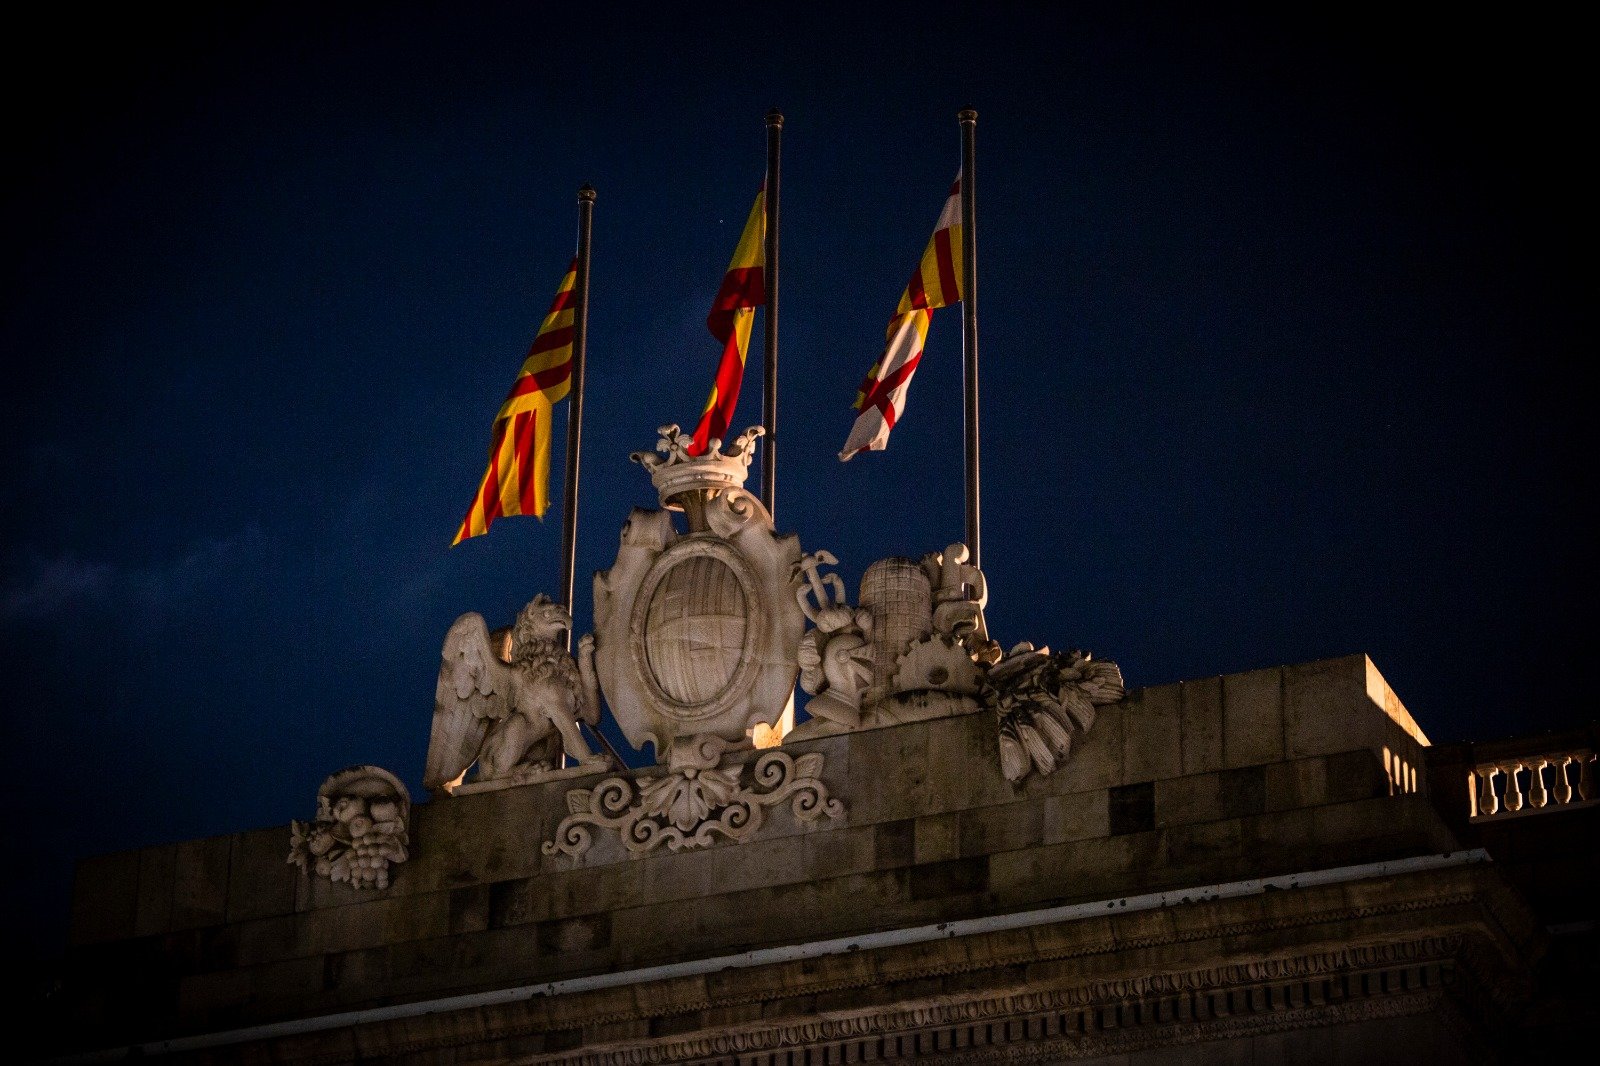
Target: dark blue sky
x,y
1278,327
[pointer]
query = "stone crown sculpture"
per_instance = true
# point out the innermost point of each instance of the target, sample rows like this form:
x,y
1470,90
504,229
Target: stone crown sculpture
x,y
676,473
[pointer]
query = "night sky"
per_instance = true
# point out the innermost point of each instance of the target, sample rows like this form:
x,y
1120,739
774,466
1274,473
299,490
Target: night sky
x,y
1279,329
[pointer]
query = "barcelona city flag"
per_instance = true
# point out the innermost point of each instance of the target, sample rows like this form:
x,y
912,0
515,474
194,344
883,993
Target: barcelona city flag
x,y
733,312
881,400
518,478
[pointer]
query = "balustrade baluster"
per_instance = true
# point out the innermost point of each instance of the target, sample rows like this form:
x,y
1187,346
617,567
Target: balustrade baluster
x,y
1488,802
1513,798
1563,782
1571,780
1538,795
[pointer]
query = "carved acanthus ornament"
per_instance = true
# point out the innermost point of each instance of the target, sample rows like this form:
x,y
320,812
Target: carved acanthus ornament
x,y
1042,700
696,803
360,829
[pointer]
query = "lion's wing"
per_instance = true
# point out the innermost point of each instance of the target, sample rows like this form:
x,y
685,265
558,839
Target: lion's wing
x,y
474,691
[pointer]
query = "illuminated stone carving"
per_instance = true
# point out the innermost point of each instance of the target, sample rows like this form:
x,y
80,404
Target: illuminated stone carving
x,y
511,701
1041,699
914,649
702,798
697,633
360,829
835,657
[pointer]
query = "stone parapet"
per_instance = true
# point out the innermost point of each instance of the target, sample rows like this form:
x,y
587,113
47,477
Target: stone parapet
x,y
1244,776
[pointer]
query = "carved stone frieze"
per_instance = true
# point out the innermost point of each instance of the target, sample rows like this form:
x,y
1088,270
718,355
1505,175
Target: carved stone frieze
x,y
697,802
360,831
1030,950
1100,1018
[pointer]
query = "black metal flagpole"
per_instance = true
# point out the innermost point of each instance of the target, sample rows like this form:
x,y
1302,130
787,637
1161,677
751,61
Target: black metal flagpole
x,y
569,507
580,331
769,398
969,317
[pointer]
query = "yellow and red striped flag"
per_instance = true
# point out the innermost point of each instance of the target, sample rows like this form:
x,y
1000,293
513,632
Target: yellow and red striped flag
x,y
733,312
936,283
518,478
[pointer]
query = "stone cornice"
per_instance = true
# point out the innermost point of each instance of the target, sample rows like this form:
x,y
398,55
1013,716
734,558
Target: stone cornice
x,y
1024,1032
1468,941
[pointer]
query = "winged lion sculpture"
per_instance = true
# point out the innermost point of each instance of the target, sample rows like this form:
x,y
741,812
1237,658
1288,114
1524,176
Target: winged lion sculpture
x,y
512,704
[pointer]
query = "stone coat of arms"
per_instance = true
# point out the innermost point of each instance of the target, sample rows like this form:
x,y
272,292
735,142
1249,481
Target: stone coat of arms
x,y
697,632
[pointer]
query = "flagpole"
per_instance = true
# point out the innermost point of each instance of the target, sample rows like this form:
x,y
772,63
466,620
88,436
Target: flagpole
x,y
969,316
769,384
580,338
569,507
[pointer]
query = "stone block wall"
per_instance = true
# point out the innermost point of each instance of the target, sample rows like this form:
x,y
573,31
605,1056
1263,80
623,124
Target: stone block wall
x,y
1267,772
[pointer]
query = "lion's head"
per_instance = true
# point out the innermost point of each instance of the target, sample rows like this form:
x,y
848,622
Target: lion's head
x,y
541,620
539,644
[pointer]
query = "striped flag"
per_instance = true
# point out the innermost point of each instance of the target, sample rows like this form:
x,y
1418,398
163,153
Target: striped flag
x,y
936,283
733,312
518,478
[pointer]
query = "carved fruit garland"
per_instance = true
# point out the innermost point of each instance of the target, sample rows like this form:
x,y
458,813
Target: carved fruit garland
x,y
359,832
691,807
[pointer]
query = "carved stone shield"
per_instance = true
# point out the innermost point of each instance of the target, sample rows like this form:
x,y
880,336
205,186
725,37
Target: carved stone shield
x,y
695,627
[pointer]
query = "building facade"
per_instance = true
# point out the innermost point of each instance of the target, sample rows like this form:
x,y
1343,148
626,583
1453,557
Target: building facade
x,y
1267,866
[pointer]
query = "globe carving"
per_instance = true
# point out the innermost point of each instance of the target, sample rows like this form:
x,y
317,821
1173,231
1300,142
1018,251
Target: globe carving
x,y
695,629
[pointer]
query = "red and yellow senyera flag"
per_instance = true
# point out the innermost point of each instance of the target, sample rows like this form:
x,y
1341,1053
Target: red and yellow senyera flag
x,y
733,312
936,283
518,478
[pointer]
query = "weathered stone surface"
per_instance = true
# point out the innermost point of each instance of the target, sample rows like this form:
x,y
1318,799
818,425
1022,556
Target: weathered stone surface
x,y
200,882
1252,717
157,869
1161,794
1201,703
105,898
1078,816
1152,733
1208,797
917,998
260,883
937,837
204,993
1132,808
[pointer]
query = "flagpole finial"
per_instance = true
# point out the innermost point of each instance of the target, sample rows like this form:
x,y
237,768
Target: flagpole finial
x,y
967,115
586,193
775,118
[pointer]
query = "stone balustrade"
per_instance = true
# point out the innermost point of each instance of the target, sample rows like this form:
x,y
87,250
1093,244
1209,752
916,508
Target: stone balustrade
x,y
1531,784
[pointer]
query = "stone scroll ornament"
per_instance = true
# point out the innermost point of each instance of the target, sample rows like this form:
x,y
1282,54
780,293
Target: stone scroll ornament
x,y
1041,700
360,831
695,805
